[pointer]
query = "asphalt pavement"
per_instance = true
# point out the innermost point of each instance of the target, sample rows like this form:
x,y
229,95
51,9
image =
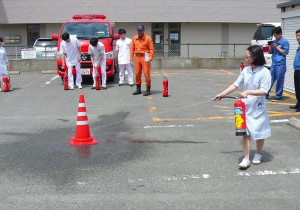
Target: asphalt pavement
x,y
155,152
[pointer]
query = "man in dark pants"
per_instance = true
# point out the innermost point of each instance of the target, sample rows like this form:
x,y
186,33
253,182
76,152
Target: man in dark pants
x,y
279,48
297,74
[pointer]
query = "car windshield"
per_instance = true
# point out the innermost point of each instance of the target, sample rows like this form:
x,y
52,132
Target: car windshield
x,y
87,30
46,42
264,32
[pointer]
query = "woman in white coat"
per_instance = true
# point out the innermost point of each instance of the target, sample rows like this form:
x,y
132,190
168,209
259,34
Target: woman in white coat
x,y
256,80
4,65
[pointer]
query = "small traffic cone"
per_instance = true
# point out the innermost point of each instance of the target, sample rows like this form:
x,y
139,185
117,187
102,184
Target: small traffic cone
x,y
82,134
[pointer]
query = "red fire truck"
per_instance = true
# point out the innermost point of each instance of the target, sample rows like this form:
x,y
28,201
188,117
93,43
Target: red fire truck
x,y
85,27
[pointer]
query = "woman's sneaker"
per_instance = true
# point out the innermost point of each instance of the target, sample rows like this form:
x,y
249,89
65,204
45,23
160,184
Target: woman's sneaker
x,y
245,163
257,159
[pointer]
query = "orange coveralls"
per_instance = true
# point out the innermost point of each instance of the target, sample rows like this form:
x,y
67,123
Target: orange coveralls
x,y
139,46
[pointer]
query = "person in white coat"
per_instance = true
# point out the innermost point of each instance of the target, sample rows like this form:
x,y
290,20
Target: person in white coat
x,y
70,49
4,64
256,80
123,51
97,52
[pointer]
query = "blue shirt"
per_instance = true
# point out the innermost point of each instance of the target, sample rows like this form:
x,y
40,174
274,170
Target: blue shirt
x,y
297,59
277,57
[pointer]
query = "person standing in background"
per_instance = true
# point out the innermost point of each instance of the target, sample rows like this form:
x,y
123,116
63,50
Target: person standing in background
x,y
123,51
98,58
297,74
142,48
279,48
70,49
4,64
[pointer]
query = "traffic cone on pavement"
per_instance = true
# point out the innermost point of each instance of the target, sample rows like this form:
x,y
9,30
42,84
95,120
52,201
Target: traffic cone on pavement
x,y
82,133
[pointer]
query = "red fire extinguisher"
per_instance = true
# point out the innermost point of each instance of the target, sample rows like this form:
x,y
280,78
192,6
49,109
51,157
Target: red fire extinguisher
x,y
98,85
66,86
165,87
240,118
5,80
242,67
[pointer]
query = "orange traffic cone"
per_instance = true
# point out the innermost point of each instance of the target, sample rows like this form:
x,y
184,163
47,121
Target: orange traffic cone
x,y
82,134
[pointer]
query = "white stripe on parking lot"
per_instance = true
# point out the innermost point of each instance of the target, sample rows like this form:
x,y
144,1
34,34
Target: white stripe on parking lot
x,y
279,121
212,176
168,126
49,82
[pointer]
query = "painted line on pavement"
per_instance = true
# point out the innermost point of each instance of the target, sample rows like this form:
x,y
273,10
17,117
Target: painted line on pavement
x,y
168,126
279,121
173,178
227,72
271,114
191,125
49,82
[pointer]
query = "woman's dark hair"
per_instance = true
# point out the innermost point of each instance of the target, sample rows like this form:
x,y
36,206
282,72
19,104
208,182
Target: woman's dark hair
x,y
65,36
257,55
94,42
1,39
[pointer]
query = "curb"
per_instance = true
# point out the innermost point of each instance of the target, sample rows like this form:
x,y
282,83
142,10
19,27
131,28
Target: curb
x,y
13,72
294,122
49,72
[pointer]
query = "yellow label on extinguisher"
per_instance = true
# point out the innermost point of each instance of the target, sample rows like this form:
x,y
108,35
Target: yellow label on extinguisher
x,y
238,121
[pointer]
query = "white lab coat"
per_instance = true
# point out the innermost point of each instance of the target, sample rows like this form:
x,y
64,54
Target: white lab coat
x,y
257,119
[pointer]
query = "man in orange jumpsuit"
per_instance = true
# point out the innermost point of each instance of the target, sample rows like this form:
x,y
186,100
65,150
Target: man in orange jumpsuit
x,y
142,47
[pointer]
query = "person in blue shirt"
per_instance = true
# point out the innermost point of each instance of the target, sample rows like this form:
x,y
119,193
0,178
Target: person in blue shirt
x,y
297,74
279,48
256,80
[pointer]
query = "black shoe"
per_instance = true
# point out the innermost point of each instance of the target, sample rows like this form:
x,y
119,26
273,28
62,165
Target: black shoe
x,y
138,90
147,93
294,107
93,88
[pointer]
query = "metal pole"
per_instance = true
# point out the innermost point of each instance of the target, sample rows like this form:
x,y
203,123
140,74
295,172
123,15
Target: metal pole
x,y
234,50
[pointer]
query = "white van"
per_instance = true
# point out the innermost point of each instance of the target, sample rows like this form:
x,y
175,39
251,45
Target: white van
x,y
261,37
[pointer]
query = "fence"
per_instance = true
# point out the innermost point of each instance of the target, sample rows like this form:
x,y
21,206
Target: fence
x,y
161,51
27,52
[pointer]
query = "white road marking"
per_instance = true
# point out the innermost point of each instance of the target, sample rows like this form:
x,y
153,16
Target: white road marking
x,y
168,126
49,82
208,176
190,125
279,121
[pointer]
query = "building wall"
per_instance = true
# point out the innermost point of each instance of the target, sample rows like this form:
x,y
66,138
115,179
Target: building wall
x,y
214,21
229,11
291,19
